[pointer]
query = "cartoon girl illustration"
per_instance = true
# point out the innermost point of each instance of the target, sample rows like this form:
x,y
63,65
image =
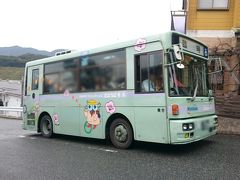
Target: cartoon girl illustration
x,y
92,113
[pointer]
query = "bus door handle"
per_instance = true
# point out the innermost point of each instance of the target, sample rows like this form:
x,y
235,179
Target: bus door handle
x,y
33,95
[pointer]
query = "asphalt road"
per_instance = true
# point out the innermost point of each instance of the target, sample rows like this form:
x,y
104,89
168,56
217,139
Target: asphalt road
x,y
26,155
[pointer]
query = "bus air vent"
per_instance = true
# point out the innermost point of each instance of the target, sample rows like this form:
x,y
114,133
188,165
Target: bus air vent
x,y
62,52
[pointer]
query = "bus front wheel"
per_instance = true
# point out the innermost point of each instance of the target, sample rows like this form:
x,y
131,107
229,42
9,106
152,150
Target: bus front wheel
x,y
46,126
121,134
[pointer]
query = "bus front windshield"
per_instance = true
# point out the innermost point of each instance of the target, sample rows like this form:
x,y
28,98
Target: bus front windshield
x,y
188,78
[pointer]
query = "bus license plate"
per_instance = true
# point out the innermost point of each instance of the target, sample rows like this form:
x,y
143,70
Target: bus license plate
x,y
205,125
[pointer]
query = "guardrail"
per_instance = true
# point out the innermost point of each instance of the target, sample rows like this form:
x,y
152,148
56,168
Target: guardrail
x,y
6,108
11,112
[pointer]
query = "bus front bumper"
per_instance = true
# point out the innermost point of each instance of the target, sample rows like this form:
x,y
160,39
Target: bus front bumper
x,y
192,129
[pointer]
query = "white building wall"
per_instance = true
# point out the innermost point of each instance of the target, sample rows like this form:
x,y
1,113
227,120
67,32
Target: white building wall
x,y
13,101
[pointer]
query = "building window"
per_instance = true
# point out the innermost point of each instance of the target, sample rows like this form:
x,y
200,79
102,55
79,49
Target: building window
x,y
148,70
1,102
213,4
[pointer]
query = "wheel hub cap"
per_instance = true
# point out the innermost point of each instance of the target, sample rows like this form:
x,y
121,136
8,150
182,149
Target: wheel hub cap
x,y
46,127
121,133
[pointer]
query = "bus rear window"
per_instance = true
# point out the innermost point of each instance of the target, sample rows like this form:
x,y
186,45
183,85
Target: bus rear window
x,y
35,79
26,80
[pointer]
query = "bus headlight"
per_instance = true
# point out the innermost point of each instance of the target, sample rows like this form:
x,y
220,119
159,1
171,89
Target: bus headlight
x,y
187,126
190,126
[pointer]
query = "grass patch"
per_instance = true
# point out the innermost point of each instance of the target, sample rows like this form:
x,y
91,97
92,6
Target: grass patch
x,y
11,73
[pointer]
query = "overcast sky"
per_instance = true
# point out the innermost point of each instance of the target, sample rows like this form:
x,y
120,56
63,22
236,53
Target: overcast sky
x,y
76,24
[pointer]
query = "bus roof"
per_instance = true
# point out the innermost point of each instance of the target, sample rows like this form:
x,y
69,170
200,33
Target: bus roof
x,y
165,38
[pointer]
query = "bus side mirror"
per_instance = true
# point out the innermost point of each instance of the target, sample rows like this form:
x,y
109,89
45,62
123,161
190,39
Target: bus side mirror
x,y
177,52
210,93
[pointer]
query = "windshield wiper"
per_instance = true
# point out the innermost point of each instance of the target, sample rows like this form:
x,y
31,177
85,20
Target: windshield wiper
x,y
196,87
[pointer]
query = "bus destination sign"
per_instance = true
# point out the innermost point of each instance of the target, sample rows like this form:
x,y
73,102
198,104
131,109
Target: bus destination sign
x,y
193,47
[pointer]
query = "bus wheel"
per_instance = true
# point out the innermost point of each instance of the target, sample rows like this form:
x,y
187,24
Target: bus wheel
x,y
46,126
121,134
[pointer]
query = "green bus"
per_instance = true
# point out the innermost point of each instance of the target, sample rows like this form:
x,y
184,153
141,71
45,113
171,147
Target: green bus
x,y
152,89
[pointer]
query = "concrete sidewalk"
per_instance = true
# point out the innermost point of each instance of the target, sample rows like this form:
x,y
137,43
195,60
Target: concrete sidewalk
x,y
228,125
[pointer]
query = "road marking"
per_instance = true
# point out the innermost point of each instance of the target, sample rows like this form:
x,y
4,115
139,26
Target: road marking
x,y
109,150
102,149
21,136
33,138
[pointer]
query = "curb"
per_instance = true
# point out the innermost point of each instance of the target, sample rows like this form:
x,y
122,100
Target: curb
x,y
228,125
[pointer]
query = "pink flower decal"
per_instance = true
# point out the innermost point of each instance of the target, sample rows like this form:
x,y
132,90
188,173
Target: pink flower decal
x,y
55,119
140,44
66,93
36,108
110,107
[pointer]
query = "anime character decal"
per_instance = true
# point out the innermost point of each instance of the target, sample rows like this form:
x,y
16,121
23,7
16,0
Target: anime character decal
x,y
91,111
92,114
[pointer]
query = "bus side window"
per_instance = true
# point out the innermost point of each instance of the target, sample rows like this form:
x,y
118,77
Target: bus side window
x,y
103,72
148,73
35,79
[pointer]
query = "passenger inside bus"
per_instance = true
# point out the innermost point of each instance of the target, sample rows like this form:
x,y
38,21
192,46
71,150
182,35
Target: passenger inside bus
x,y
148,84
100,83
153,83
49,86
159,84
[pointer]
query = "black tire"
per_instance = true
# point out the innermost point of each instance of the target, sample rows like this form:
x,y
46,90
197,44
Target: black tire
x,y
121,134
46,126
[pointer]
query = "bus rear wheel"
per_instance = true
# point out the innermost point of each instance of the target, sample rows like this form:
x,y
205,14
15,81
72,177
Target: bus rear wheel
x,y
46,126
121,133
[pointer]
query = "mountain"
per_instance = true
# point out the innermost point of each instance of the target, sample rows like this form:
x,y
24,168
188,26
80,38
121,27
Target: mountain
x,y
16,56
12,67
18,61
18,51
13,60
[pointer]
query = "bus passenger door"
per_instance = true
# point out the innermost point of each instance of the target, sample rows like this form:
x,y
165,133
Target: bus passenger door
x,y
34,89
149,99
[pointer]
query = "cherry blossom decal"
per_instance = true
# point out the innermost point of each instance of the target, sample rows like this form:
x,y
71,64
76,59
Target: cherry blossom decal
x,y
140,44
110,107
66,93
69,95
55,119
